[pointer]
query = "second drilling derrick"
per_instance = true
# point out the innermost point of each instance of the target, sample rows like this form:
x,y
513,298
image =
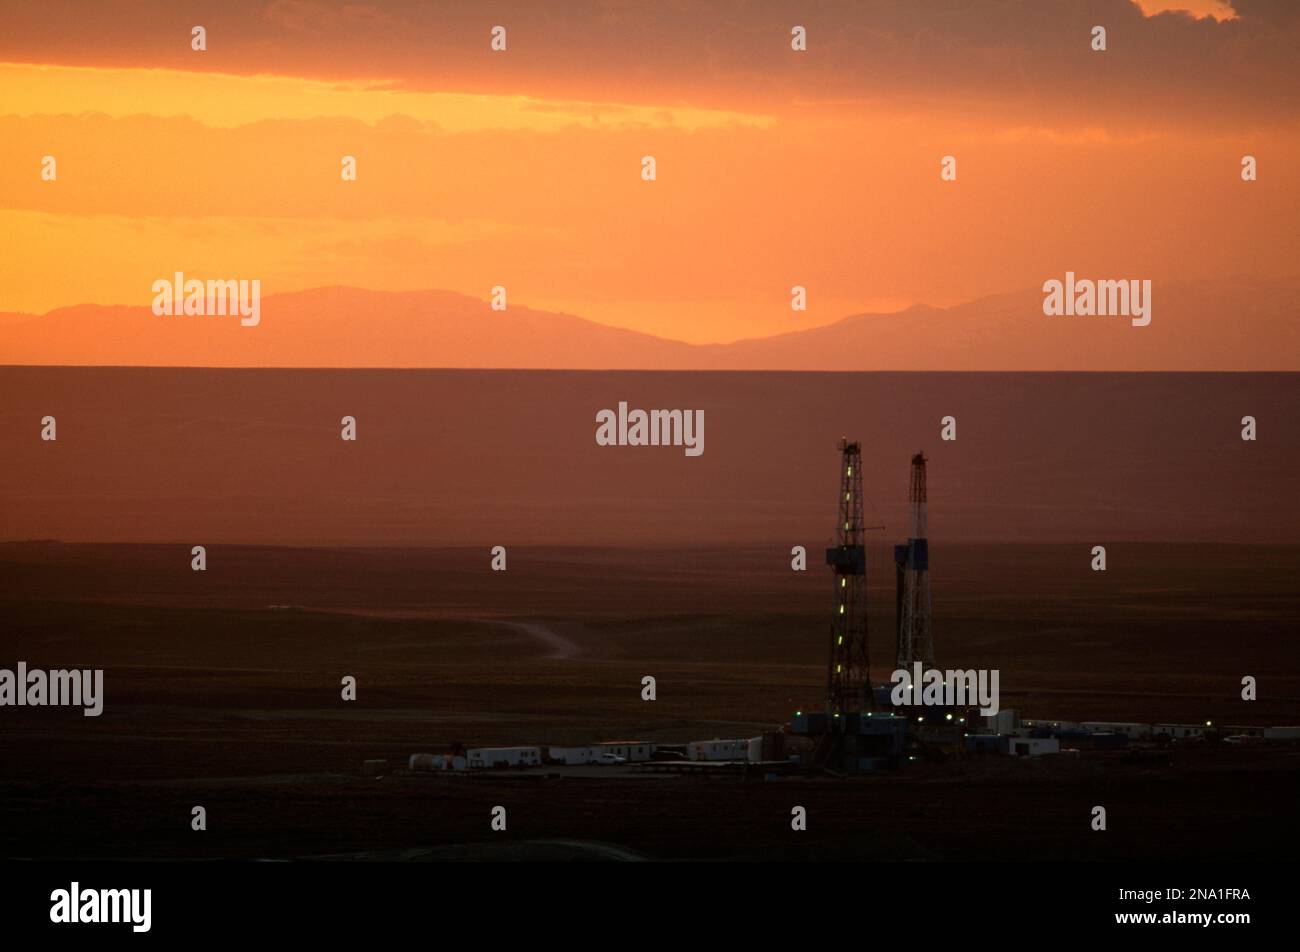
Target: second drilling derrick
x,y
912,563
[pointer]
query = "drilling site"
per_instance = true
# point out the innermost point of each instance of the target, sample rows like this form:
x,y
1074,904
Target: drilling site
x,y
866,724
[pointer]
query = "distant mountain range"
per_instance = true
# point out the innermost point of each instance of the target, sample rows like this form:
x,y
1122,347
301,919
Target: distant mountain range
x,y
1244,324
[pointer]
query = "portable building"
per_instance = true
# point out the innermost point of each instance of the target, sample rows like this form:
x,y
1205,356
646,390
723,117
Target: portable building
x,y
572,755
1131,730
504,756
1179,731
633,751
718,749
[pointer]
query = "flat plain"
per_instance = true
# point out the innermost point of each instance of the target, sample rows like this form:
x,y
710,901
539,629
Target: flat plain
x,y
223,689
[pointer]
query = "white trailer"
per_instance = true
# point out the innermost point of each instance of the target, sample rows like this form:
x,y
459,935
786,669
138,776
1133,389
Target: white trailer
x,y
1179,731
1131,730
1040,724
718,749
633,751
480,757
573,755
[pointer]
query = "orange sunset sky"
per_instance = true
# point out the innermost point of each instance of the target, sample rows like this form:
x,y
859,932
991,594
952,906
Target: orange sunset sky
x,y
522,168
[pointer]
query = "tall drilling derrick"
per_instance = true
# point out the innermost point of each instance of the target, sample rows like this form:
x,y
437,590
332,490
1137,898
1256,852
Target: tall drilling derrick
x,y
848,683
912,564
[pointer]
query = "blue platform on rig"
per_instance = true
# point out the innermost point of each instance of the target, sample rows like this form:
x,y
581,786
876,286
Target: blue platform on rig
x,y
914,555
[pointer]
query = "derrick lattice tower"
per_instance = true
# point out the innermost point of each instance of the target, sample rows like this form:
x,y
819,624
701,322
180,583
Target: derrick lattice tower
x,y
915,636
848,683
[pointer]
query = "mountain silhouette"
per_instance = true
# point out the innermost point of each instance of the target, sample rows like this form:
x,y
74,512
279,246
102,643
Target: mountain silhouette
x,y
1240,324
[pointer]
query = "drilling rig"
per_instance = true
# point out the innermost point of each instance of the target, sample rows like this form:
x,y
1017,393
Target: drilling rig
x,y
849,735
914,634
848,681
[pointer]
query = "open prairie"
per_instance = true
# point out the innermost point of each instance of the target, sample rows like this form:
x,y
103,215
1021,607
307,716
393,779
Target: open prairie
x,y
222,687
222,699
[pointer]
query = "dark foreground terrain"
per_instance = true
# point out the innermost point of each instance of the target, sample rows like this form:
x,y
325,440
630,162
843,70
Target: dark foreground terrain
x,y
222,689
